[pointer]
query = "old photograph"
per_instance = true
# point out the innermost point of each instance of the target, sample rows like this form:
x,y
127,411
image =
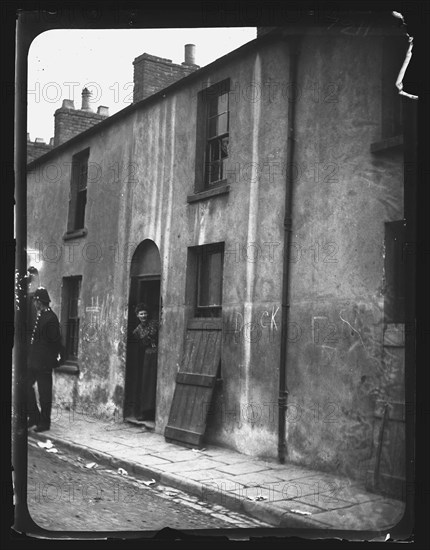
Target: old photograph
x,y
215,303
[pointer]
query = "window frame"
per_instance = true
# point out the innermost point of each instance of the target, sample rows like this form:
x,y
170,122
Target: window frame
x,y
194,268
71,288
203,255
78,192
203,139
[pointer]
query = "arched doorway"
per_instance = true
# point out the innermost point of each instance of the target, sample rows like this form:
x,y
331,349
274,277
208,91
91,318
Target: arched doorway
x,y
145,276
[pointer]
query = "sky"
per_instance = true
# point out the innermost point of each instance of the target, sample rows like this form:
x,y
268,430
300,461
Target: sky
x,y
62,62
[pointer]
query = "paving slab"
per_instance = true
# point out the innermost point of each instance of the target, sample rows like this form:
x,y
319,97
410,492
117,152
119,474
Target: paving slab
x,y
189,465
257,492
149,460
296,497
364,516
257,478
296,507
201,475
292,473
320,502
292,489
178,455
239,468
225,457
159,446
352,495
222,484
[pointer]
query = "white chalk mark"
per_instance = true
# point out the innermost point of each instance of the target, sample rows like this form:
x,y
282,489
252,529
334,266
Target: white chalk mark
x,y
354,329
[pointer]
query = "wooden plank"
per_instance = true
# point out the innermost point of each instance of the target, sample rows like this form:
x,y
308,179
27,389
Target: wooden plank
x,y
191,392
195,384
192,342
193,379
181,434
209,356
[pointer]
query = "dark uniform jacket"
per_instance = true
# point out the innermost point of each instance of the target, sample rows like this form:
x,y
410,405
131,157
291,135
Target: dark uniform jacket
x,y
45,342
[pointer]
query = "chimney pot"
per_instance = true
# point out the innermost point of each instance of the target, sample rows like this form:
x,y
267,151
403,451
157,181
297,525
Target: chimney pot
x,y
68,104
86,94
51,142
28,136
190,54
102,110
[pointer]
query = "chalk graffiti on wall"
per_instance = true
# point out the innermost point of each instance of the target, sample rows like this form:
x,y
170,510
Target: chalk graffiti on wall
x,y
261,323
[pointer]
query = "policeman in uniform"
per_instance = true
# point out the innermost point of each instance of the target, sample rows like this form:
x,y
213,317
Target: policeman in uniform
x,y
42,358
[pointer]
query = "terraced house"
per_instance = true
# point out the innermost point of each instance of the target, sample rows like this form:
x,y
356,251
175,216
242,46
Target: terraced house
x,y
258,205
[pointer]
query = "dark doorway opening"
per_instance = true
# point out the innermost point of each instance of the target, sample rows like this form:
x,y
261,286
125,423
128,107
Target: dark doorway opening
x,y
141,363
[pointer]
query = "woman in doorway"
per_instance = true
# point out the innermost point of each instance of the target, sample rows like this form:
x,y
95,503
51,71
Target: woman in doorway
x,y
146,335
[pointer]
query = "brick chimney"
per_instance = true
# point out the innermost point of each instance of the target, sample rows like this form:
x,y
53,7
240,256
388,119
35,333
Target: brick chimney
x,y
37,148
152,74
69,122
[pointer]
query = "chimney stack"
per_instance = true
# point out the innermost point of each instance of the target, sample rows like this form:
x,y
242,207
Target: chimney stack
x,y
86,94
69,122
190,54
68,104
152,73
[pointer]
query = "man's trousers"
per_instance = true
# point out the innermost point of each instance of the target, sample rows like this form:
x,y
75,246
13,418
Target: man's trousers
x,y
42,416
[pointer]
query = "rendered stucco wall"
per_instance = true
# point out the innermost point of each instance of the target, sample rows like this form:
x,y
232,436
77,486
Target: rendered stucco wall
x,y
141,171
343,196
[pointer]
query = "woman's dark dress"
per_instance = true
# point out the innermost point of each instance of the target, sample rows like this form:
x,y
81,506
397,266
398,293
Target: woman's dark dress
x,y
146,337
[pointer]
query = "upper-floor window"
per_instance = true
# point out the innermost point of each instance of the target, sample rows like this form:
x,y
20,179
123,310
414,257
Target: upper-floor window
x,y
217,139
212,136
78,191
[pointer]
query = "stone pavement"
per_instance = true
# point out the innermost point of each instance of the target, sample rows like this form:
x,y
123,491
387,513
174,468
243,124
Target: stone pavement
x,y
282,495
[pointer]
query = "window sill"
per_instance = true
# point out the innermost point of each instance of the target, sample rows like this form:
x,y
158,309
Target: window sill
x,y
68,368
209,193
75,234
387,145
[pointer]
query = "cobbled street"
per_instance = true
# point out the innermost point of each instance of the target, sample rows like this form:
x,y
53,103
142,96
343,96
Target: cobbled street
x,y
64,494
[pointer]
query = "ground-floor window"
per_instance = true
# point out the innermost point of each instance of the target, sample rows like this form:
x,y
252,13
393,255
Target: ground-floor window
x,y
208,274
70,316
